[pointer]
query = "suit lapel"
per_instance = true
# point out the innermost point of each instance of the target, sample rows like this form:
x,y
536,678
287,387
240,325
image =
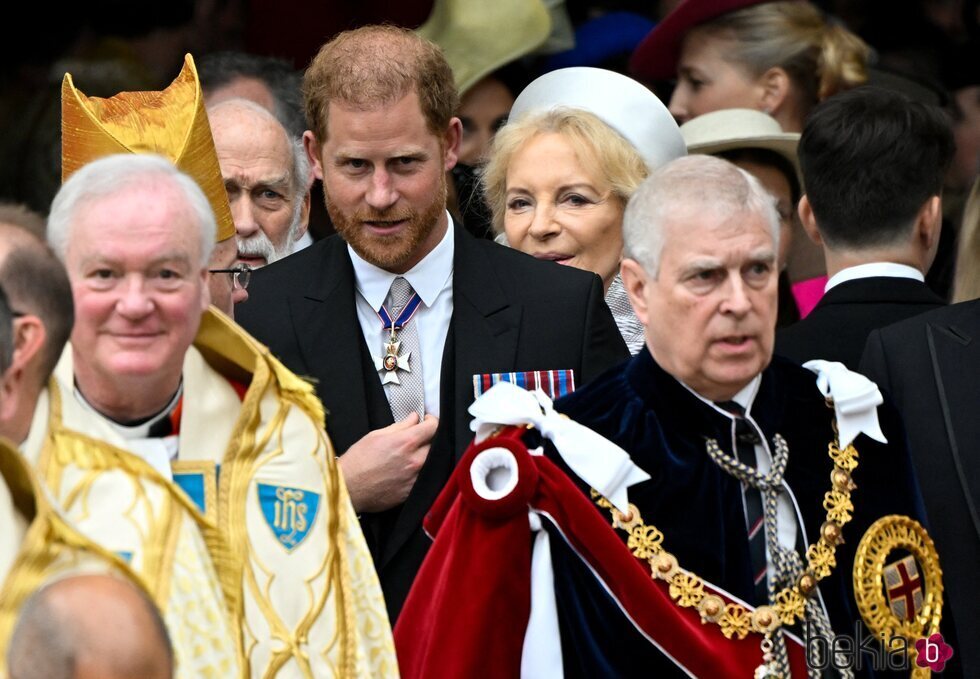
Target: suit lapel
x,y
328,332
482,338
956,363
486,328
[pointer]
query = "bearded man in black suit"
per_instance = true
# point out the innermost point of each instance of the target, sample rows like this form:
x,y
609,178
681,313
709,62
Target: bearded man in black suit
x,y
397,376
873,163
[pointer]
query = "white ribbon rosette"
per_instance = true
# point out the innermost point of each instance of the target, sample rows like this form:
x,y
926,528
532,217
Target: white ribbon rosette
x,y
599,462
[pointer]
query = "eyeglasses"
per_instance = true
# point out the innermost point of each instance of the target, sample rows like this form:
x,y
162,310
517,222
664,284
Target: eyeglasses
x,y
240,275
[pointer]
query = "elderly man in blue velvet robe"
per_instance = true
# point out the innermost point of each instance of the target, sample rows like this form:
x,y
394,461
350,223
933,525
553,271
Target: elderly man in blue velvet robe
x,y
786,490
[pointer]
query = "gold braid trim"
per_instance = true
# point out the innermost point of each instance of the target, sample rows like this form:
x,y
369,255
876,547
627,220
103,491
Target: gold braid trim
x,y
246,354
240,354
735,620
20,480
63,446
50,546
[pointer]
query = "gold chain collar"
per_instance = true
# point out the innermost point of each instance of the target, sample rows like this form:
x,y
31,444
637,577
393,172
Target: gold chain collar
x,y
688,590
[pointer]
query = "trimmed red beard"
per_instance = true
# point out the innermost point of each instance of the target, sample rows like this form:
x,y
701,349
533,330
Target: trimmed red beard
x,y
388,252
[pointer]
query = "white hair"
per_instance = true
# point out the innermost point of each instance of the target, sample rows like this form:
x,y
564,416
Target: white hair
x,y
301,180
299,174
115,174
301,168
695,183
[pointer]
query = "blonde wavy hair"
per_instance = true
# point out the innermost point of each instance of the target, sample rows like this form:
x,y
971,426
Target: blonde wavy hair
x,y
601,149
820,58
966,280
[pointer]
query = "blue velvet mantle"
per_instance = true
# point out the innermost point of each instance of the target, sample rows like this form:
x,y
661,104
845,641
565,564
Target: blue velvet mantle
x,y
698,506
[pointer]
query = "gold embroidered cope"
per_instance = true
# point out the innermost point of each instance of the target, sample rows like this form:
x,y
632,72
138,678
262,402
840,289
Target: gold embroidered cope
x,y
271,577
38,545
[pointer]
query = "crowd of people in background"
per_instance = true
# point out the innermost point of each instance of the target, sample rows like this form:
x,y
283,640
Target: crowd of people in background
x,y
492,339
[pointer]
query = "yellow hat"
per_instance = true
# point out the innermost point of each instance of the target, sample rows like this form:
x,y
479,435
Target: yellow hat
x,y
477,38
171,123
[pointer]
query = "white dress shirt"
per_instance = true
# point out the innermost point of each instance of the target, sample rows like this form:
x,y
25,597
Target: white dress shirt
x,y
305,241
873,269
432,279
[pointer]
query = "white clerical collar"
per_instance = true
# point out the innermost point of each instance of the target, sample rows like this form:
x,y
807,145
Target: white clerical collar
x,y
427,278
872,269
745,397
141,430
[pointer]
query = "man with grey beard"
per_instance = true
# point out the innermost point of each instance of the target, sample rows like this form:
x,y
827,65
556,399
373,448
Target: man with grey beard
x,y
267,175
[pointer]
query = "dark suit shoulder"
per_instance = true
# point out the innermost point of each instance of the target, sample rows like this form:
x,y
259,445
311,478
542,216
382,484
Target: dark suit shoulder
x,y
881,290
562,314
294,272
795,380
965,315
898,353
295,284
838,327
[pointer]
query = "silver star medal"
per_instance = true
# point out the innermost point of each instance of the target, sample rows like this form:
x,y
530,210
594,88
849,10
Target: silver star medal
x,y
391,362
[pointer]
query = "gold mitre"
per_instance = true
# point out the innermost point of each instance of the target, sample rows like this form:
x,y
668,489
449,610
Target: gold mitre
x,y
171,123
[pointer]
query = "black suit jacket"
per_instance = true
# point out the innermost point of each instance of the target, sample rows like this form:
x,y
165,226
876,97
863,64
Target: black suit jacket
x,y
838,326
930,365
510,312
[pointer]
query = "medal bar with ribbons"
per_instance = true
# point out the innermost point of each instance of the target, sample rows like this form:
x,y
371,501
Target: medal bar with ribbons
x,y
390,362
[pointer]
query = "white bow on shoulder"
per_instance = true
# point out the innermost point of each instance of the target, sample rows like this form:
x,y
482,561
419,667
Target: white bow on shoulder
x,y
856,400
596,460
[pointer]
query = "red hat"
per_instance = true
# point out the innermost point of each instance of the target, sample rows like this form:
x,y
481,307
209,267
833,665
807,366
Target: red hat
x,y
656,56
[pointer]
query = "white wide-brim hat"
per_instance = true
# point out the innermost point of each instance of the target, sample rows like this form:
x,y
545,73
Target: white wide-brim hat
x,y
619,101
740,128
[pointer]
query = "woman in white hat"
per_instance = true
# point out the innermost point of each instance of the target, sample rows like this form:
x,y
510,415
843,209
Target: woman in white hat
x,y
579,141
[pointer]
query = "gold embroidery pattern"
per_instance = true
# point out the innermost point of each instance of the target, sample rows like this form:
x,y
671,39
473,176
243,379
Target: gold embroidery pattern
x,y
50,547
337,622
376,652
688,590
346,620
209,474
155,513
194,614
157,496
260,578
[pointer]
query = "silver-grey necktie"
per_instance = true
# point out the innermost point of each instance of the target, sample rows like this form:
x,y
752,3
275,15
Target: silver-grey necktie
x,y
400,363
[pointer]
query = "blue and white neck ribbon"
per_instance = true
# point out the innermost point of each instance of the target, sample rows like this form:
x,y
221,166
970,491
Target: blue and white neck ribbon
x,y
403,318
